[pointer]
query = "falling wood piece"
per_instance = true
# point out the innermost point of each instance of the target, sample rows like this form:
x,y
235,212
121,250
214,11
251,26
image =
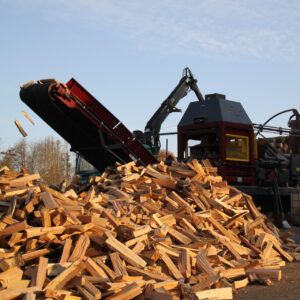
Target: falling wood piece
x,y
125,252
128,292
171,266
221,293
27,117
41,272
48,200
59,281
80,248
22,131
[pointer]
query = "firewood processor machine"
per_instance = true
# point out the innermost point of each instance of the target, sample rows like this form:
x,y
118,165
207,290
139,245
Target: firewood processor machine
x,y
211,127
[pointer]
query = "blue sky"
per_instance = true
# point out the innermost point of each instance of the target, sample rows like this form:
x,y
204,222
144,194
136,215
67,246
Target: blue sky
x,y
130,55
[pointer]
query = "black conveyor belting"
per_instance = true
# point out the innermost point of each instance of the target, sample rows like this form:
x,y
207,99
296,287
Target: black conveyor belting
x,y
92,141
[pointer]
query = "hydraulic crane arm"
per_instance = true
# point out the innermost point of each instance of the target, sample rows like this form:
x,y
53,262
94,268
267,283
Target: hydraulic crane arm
x,y
152,129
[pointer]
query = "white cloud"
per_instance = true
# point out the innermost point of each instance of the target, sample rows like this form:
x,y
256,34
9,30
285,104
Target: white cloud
x,y
264,29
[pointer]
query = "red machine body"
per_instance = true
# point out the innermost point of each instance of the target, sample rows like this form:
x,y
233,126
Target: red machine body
x,y
220,130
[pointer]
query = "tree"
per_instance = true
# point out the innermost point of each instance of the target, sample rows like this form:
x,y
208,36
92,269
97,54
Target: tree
x,y
9,157
48,157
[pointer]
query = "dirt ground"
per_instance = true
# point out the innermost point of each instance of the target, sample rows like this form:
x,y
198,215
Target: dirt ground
x,y
287,288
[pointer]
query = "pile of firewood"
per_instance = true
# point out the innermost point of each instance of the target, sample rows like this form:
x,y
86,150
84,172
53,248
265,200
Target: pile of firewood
x,y
160,232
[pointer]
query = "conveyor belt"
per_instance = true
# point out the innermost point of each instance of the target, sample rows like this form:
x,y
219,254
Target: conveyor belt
x,y
91,130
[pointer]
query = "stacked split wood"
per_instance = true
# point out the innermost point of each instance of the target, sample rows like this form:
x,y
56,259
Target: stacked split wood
x,y
281,143
160,232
